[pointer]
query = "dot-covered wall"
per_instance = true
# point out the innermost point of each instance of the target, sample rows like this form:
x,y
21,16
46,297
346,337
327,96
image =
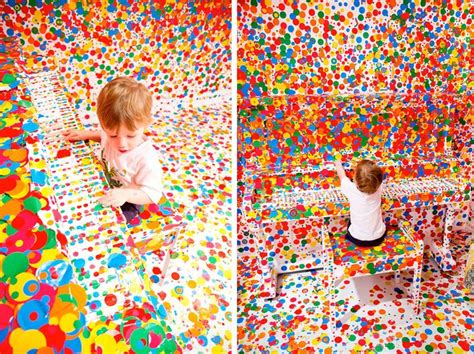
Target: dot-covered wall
x,y
180,49
339,47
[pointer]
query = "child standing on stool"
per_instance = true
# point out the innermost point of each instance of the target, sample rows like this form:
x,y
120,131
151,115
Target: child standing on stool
x,y
366,227
130,160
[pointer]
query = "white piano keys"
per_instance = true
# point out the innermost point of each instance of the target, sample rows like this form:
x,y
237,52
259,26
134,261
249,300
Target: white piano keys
x,y
393,190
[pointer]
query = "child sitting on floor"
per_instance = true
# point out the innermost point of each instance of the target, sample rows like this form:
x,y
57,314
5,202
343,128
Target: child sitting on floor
x,y
130,161
366,227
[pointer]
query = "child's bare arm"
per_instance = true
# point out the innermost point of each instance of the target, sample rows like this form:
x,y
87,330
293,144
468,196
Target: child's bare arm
x,y
76,134
341,173
118,196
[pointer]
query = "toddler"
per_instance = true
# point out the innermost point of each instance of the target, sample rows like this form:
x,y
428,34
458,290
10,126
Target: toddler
x,y
366,227
130,161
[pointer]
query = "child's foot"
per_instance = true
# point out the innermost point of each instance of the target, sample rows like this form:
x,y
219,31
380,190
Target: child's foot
x,y
129,210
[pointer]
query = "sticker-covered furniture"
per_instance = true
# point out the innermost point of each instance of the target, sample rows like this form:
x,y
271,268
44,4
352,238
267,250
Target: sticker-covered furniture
x,y
288,177
401,250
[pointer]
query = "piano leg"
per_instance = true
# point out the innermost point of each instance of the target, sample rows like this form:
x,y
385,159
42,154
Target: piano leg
x,y
269,274
331,298
417,283
469,270
441,252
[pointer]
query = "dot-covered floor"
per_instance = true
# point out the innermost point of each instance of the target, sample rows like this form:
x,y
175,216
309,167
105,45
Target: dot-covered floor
x,y
374,312
195,145
194,296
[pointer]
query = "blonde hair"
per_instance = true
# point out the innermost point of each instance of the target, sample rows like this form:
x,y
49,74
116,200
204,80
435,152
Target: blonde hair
x,y
124,101
368,176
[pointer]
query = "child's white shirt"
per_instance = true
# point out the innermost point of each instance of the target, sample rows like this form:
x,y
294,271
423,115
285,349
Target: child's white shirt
x,y
366,213
139,166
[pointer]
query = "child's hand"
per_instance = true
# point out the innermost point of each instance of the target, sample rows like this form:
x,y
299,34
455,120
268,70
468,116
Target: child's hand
x,y
74,134
341,173
115,197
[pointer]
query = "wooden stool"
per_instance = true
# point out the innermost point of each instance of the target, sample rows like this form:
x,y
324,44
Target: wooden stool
x,y
402,249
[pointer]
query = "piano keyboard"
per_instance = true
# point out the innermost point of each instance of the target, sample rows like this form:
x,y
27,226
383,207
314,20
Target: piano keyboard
x,y
393,190
105,266
432,185
289,200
